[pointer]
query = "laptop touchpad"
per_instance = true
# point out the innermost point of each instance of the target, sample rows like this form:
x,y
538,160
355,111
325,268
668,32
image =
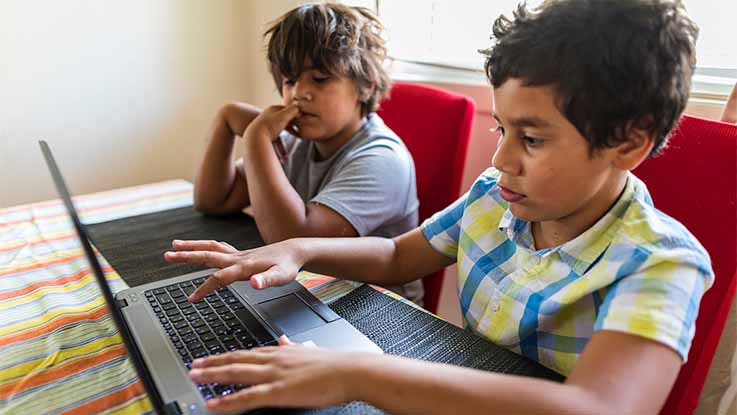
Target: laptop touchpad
x,y
290,314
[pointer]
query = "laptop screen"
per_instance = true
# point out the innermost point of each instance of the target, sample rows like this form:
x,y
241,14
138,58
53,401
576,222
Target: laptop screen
x,y
140,367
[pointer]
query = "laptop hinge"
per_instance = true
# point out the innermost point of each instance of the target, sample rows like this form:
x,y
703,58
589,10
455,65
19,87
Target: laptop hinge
x,y
122,303
172,408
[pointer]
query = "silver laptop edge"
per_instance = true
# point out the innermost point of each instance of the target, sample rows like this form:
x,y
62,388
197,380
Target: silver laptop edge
x,y
290,310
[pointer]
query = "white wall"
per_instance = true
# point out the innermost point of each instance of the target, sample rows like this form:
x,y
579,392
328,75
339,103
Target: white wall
x,y
122,91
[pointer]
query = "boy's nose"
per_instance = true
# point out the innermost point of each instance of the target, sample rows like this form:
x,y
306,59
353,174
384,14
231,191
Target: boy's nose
x,y
504,158
302,92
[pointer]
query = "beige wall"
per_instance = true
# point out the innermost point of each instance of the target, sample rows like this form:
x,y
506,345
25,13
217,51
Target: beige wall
x,y
123,91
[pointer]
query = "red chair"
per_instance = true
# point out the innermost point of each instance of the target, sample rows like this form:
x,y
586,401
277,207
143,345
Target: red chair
x,y
435,125
695,181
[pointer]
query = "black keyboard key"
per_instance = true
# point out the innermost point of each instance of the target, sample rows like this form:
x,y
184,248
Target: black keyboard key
x,y
249,344
163,299
159,291
199,353
188,290
184,331
212,344
206,337
189,338
222,390
172,312
197,323
253,326
202,330
194,345
232,345
180,300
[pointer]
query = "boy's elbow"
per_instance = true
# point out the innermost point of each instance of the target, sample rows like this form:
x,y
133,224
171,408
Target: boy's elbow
x,y
208,208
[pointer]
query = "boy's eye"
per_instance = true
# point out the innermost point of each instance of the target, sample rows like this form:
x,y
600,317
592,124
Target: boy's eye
x,y
289,82
532,141
320,79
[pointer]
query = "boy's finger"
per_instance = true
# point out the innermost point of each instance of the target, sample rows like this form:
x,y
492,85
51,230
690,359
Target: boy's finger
x,y
208,245
218,279
255,356
221,278
256,396
272,277
209,258
284,341
237,373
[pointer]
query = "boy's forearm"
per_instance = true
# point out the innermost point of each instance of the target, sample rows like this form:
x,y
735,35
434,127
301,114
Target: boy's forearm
x,y
400,385
279,209
217,172
217,175
369,259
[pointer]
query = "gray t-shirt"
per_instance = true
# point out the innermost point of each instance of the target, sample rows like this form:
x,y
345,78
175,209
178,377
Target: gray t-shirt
x,y
370,181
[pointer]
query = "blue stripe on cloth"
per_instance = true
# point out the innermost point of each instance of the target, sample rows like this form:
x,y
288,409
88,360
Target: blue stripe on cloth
x,y
530,317
485,264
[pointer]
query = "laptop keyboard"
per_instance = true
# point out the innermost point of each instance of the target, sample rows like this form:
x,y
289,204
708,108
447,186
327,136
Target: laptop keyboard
x,y
216,324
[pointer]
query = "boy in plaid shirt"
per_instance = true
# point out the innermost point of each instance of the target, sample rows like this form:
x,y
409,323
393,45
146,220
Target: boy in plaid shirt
x,y
561,254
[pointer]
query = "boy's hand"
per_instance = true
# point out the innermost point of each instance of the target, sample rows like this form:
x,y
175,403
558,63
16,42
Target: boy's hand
x,y
272,121
272,265
729,114
282,376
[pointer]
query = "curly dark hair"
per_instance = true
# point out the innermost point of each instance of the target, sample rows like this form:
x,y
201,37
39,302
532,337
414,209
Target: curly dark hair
x,y
614,65
334,39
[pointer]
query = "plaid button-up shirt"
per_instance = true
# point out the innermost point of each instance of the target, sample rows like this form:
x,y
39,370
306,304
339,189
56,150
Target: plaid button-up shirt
x,y
636,270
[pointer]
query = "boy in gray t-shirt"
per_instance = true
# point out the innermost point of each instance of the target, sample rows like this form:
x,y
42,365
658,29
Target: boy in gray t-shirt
x,y
323,163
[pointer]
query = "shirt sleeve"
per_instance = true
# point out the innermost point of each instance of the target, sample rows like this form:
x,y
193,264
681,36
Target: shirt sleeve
x,y
659,301
372,189
442,229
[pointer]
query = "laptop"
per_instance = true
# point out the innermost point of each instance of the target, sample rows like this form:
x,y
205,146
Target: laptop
x,y
163,333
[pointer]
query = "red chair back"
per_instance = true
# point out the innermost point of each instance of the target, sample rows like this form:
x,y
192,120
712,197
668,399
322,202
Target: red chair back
x,y
695,181
435,125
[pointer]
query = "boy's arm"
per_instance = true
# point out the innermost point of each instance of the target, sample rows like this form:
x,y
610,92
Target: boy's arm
x,y
219,187
279,210
617,373
369,259
729,113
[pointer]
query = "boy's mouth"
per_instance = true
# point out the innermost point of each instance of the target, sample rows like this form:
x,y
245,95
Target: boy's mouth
x,y
509,195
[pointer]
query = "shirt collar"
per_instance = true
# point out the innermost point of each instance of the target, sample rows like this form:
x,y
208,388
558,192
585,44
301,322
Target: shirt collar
x,y
581,252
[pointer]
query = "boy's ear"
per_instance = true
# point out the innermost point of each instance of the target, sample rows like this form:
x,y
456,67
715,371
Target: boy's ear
x,y
632,152
365,94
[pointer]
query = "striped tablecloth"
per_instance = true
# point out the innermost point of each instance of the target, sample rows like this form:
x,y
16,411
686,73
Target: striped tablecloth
x,y
59,350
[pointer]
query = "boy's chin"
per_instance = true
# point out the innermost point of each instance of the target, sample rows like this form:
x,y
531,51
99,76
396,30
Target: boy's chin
x,y
524,213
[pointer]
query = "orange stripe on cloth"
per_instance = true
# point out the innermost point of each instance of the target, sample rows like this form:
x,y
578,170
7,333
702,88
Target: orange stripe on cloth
x,y
38,242
96,208
49,283
53,325
108,401
70,367
41,265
